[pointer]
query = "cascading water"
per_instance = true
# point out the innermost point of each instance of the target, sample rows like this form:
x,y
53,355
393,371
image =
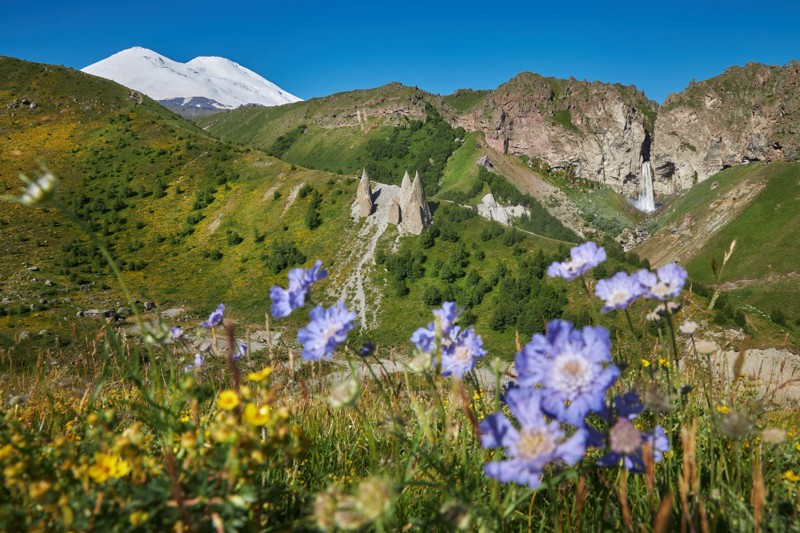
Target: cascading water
x,y
646,202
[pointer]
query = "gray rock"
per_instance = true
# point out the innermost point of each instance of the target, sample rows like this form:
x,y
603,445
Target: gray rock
x,y
123,312
24,335
415,213
149,306
483,161
364,196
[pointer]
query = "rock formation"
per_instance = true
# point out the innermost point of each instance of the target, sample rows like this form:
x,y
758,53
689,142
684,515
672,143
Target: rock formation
x,y
415,215
364,196
407,208
744,114
399,200
491,210
600,131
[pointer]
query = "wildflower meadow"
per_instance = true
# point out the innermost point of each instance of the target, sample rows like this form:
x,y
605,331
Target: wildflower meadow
x,y
157,428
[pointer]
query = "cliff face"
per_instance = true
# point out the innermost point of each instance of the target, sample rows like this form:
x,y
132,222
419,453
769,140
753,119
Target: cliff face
x,y
745,114
599,130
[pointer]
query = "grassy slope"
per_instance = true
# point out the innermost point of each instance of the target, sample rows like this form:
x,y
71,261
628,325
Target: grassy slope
x,y
83,145
766,232
93,151
461,172
338,125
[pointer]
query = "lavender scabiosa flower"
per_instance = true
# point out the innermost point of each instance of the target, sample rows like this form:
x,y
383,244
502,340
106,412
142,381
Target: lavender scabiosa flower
x,y
583,258
326,331
460,352
666,282
460,349
425,338
619,291
284,301
625,442
536,444
570,366
215,318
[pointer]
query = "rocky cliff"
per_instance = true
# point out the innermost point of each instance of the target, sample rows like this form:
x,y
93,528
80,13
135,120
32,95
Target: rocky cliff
x,y
599,130
745,114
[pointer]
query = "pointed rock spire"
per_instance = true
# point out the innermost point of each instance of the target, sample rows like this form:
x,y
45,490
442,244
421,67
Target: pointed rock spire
x,y
364,196
416,215
405,189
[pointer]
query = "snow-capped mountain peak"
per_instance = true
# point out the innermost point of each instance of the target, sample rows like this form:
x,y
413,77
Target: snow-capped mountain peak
x,y
215,78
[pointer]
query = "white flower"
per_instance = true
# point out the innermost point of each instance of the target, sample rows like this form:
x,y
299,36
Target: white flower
x,y
688,327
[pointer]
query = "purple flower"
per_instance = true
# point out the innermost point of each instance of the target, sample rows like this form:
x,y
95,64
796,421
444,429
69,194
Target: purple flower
x,y
583,258
569,365
241,352
198,363
529,449
326,331
284,301
447,316
619,291
625,441
667,282
176,332
659,442
459,349
460,352
215,318
625,446
425,338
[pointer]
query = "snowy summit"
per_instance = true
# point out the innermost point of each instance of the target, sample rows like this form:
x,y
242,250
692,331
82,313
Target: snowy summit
x,y
227,84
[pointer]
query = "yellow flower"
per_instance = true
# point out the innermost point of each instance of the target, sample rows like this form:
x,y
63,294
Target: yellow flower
x,y
645,363
797,446
228,400
256,416
106,466
261,375
39,489
5,451
138,518
663,362
723,409
791,476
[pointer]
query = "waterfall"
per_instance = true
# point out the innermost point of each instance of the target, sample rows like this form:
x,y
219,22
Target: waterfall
x,y
646,202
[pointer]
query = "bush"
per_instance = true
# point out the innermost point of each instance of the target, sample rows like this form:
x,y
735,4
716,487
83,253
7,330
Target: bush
x,y
282,254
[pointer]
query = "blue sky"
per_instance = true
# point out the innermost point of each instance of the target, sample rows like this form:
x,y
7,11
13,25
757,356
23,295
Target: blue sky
x,y
316,48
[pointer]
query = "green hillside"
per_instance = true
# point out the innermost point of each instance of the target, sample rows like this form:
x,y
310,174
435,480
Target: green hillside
x,y
193,221
754,204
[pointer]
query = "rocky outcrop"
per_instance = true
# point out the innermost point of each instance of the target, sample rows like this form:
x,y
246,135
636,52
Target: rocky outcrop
x,y
406,207
395,207
415,214
364,196
600,131
745,114
491,210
